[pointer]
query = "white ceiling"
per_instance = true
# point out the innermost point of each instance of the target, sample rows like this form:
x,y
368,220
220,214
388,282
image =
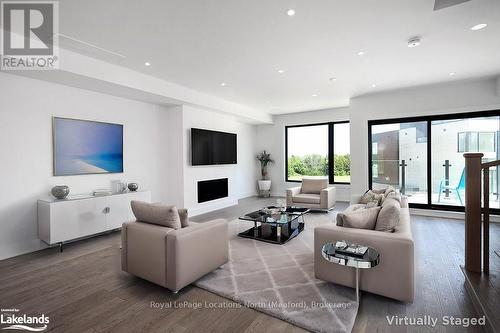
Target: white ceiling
x,y
202,43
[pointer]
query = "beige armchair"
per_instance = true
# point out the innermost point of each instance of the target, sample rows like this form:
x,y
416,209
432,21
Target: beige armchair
x,y
314,193
174,258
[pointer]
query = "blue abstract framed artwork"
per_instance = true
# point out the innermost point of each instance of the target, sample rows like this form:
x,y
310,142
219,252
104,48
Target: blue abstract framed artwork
x,y
84,147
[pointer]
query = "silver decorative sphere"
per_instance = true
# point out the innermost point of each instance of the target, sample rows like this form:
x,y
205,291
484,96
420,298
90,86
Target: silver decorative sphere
x,y
60,191
133,187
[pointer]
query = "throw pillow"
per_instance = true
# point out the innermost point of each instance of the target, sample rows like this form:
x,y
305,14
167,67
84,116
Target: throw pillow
x,y
382,191
371,196
167,216
389,190
361,219
351,208
354,207
393,196
388,218
340,219
183,215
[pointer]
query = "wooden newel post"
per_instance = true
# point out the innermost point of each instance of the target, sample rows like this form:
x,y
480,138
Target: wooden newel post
x,y
473,211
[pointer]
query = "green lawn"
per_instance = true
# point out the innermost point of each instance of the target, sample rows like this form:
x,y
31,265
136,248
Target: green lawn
x,y
343,179
340,179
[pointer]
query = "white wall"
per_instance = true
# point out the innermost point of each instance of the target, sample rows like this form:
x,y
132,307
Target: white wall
x,y
26,110
272,139
454,97
173,174
241,176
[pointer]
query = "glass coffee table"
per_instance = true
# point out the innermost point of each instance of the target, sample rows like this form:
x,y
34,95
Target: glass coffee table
x,y
275,225
334,253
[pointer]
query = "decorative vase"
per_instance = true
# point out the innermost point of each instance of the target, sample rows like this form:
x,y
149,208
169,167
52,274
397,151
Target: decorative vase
x,y
263,172
60,191
133,187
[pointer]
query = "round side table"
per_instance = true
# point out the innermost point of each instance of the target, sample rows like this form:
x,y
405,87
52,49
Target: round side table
x,y
369,259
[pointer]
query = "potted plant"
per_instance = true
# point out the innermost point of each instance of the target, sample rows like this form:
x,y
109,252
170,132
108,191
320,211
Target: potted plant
x,y
265,159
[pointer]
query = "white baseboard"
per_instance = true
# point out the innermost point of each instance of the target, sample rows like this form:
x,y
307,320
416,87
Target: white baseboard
x,y
207,207
446,214
14,250
247,195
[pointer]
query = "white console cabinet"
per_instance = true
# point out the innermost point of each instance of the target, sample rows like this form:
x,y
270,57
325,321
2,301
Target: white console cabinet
x,y
81,216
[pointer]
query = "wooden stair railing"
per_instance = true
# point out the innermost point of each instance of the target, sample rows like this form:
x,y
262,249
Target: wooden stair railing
x,y
473,212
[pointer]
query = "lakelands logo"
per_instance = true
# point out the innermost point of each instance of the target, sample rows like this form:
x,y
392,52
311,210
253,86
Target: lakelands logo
x,y
10,319
29,36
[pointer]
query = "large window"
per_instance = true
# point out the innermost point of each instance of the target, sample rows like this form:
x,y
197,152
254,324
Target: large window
x,y
341,153
451,139
320,150
399,155
307,151
423,156
469,142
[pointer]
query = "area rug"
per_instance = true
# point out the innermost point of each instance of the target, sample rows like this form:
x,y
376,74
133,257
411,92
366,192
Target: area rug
x,y
279,280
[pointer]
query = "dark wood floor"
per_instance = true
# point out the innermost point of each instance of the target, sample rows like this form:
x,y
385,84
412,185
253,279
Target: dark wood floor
x,y
84,290
484,289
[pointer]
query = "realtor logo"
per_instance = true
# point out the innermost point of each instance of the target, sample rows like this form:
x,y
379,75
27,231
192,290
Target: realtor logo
x,y
29,38
11,319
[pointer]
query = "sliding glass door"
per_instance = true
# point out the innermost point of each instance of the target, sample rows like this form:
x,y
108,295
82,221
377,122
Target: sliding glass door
x,y
450,140
423,156
399,157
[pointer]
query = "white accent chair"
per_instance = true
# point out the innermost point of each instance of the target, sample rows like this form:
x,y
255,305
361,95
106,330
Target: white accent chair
x,y
314,193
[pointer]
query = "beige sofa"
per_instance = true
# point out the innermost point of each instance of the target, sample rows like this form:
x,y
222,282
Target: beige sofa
x,y
313,193
173,258
394,277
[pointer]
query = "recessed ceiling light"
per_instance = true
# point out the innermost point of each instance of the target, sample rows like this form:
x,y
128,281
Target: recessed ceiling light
x,y
479,26
223,84
452,73
147,64
290,12
360,53
314,95
374,85
414,41
281,71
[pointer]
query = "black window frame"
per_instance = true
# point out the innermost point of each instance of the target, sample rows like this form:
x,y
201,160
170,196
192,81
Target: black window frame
x,y
331,150
429,119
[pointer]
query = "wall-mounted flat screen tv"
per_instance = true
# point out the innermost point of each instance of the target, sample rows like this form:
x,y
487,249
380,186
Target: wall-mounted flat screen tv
x,y
86,147
212,147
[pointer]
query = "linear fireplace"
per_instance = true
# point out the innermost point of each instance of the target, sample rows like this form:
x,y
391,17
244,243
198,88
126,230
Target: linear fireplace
x,y
212,189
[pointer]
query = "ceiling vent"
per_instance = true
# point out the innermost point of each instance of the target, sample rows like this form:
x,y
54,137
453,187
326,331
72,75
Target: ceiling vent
x,y
440,4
